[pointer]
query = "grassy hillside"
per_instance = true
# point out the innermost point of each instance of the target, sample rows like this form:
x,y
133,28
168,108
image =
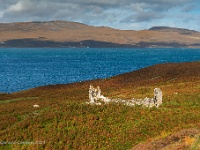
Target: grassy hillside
x,y
71,34
65,121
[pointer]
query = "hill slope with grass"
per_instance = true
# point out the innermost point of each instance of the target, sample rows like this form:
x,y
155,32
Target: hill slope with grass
x,y
65,121
73,34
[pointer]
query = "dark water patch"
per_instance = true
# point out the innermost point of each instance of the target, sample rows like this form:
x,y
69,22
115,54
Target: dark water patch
x,y
24,68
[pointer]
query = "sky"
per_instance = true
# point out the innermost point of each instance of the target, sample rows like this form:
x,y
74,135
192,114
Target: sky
x,y
120,14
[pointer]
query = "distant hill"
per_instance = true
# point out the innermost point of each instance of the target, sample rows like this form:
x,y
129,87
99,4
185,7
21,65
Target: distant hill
x,y
171,29
73,34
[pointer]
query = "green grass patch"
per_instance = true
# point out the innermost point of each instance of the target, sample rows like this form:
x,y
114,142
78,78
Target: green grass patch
x,y
65,121
16,99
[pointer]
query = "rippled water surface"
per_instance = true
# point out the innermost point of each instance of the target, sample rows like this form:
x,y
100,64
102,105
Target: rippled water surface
x,y
22,69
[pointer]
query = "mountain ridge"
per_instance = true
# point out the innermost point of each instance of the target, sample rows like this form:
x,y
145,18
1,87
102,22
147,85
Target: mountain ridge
x,y
72,34
172,29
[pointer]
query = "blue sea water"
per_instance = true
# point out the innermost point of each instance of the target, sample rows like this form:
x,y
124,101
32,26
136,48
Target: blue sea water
x,y
26,68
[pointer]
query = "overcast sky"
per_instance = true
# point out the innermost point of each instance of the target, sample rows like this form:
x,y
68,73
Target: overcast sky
x,y
121,14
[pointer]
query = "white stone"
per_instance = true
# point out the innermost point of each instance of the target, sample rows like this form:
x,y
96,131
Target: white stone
x,y
36,106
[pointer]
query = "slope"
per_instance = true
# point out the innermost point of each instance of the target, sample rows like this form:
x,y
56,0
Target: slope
x,y
72,34
65,121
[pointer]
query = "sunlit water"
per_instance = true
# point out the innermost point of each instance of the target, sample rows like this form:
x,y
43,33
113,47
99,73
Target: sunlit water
x,y
22,69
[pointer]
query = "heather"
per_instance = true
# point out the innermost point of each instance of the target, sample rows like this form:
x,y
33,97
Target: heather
x,y
65,121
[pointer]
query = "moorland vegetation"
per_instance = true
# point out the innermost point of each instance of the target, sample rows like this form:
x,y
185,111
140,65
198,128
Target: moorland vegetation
x,y
64,120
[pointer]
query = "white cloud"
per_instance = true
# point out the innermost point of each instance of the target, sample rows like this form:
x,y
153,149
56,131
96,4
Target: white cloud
x,y
21,6
126,14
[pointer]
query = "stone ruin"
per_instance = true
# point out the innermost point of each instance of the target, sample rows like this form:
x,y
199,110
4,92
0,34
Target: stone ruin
x,y
97,98
157,96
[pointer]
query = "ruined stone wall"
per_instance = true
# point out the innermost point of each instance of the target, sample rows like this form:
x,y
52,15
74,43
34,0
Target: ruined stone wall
x,y
97,98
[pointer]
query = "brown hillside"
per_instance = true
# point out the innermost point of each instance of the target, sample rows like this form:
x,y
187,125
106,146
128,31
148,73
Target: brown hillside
x,y
176,141
160,73
62,31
